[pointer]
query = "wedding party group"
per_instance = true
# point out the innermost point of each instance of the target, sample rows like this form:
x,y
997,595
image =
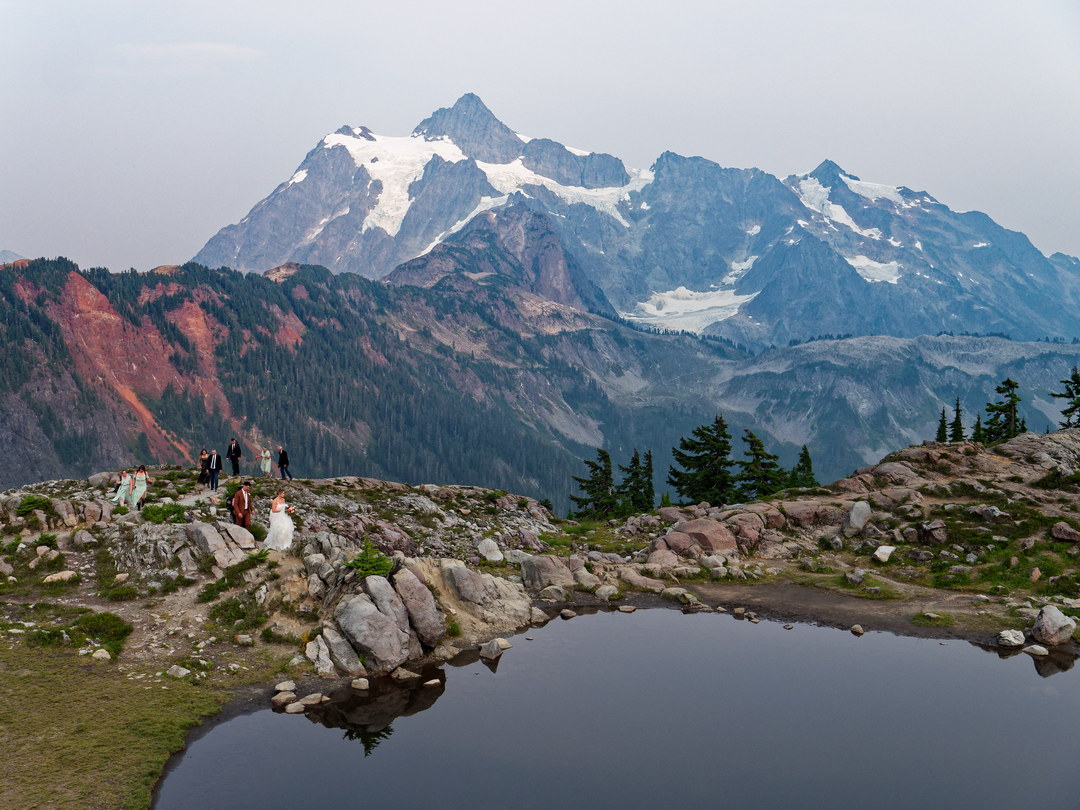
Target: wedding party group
x,y
211,465
280,535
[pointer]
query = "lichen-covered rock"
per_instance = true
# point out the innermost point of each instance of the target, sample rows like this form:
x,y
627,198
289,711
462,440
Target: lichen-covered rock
x,y
427,621
542,570
710,535
1052,626
373,634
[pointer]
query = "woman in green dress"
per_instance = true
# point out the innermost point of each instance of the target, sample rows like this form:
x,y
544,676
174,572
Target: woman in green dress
x,y
138,487
122,491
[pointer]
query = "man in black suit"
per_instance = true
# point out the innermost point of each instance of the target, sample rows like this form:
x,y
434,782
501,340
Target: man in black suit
x,y
233,454
214,468
283,463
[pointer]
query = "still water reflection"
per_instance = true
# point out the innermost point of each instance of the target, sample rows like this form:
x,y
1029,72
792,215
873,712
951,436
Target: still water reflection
x,y
658,708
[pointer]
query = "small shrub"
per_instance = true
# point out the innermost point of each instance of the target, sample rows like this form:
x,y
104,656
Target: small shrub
x,y
30,503
370,562
107,628
164,513
453,628
232,577
119,593
240,612
46,540
272,636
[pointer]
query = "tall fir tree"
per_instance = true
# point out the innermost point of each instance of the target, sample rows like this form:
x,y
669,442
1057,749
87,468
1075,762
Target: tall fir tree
x,y
760,474
977,432
705,459
942,434
956,427
635,491
649,492
1003,420
802,474
598,498
1071,395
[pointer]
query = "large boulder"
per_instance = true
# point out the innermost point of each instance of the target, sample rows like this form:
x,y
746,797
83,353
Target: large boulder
x,y
542,570
469,585
429,623
384,596
207,540
856,518
635,579
1052,626
341,652
237,534
710,535
934,533
372,633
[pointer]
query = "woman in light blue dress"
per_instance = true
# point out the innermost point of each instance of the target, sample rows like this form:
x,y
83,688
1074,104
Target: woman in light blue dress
x,y
122,491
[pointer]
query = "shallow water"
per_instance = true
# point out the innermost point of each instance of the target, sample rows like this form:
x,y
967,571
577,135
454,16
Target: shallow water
x,y
658,708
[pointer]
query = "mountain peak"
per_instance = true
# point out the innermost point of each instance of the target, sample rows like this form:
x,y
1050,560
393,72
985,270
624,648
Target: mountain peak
x,y
828,170
475,130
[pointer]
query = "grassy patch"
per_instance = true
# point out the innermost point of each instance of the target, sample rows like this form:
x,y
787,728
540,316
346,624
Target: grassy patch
x,y
932,620
231,578
239,613
80,734
883,591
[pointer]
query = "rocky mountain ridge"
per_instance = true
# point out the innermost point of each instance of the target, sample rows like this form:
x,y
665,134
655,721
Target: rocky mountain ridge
x,y
686,244
497,377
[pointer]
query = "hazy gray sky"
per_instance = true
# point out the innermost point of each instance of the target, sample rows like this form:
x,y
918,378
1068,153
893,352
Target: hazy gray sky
x,y
132,131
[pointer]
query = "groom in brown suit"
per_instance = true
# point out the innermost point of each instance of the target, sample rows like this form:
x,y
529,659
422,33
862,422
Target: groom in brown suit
x,y
242,506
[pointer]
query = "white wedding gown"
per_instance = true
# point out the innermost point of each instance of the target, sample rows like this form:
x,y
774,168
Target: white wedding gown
x,y
280,536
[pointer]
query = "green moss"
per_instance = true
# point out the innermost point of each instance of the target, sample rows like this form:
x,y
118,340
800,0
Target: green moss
x,y
165,513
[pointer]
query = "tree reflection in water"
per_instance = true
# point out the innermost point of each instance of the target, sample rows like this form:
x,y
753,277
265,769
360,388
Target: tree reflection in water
x,y
367,715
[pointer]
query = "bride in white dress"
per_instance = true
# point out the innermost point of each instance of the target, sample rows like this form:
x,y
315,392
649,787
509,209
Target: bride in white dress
x,y
280,536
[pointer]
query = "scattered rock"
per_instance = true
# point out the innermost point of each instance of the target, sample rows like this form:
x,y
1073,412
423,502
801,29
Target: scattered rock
x,y
493,649
285,686
627,608
857,630
295,708
883,553
360,683
1052,626
177,671
1064,532
567,613
60,576
1036,650
282,699
101,654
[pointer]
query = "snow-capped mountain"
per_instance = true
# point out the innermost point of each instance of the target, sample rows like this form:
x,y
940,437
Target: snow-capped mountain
x,y
686,244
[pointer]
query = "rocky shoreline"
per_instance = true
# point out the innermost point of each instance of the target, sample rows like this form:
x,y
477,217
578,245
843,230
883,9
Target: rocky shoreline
x,y
384,579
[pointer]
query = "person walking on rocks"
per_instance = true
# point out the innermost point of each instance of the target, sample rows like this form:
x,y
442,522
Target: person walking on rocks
x,y
264,461
233,454
283,463
242,506
138,487
280,536
204,467
124,488
213,467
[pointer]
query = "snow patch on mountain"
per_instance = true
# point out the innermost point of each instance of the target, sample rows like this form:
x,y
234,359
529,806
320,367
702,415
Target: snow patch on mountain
x,y
299,177
874,191
875,271
686,309
816,197
510,177
396,162
738,269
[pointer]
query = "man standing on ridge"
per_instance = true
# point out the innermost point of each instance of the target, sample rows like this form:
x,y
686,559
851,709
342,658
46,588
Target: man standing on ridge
x,y
233,454
283,463
213,467
243,506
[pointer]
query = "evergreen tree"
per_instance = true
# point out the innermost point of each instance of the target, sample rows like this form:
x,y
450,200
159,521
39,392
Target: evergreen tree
x,y
1003,420
648,494
760,474
635,491
705,459
598,496
802,474
942,434
956,429
977,432
1071,395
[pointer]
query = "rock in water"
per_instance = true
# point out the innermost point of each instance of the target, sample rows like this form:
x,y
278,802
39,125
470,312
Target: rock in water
x,y
857,630
1052,626
372,633
1010,638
